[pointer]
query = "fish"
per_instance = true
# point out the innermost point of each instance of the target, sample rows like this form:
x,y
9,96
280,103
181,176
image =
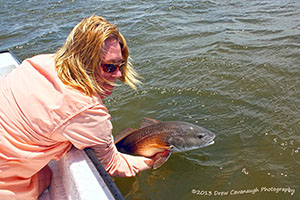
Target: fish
x,y
162,137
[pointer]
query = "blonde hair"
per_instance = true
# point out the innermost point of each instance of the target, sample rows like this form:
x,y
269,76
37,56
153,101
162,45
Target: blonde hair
x,y
77,61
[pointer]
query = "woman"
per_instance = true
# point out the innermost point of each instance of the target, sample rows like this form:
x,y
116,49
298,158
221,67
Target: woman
x,y
53,101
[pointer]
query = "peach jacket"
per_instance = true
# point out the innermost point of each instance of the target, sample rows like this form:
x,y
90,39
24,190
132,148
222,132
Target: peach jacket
x,y
41,118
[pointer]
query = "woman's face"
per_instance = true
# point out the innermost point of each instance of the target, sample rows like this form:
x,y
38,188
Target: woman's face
x,y
112,55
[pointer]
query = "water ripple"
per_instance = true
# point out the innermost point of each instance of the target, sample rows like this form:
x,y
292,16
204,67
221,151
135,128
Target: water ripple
x,y
229,66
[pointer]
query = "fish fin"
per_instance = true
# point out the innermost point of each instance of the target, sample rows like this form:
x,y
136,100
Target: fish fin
x,y
160,146
123,133
148,121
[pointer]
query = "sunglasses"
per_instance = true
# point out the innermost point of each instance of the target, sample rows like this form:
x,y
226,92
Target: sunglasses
x,y
110,68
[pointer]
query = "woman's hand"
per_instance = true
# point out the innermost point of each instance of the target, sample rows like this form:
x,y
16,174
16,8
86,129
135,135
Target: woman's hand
x,y
159,159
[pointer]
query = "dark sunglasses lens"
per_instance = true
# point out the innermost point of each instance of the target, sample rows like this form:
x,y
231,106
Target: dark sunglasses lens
x,y
109,67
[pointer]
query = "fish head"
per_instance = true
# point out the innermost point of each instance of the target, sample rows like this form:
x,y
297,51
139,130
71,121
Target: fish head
x,y
187,136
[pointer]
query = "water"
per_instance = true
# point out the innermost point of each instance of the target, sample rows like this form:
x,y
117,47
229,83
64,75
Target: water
x,y
229,66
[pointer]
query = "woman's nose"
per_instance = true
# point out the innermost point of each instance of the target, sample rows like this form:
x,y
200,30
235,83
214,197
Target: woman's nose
x,y
117,73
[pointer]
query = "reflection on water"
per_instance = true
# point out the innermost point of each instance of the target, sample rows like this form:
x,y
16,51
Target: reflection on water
x,y
231,67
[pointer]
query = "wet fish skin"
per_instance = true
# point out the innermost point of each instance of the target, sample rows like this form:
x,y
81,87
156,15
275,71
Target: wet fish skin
x,y
155,136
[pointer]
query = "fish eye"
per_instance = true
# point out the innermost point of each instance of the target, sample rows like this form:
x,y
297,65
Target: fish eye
x,y
200,136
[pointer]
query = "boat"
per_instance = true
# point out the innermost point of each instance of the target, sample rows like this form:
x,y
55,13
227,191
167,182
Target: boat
x,y
79,174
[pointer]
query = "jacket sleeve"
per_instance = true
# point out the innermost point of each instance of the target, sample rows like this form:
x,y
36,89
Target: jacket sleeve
x,y
92,128
119,164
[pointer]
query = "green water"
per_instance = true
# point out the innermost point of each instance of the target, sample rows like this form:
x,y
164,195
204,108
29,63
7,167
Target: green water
x,y
229,66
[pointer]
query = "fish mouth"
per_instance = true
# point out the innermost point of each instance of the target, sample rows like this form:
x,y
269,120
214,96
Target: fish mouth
x,y
209,143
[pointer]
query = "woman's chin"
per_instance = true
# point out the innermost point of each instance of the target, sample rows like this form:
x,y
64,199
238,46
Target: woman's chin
x,y
107,92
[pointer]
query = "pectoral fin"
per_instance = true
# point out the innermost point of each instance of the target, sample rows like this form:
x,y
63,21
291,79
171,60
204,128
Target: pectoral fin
x,y
160,146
